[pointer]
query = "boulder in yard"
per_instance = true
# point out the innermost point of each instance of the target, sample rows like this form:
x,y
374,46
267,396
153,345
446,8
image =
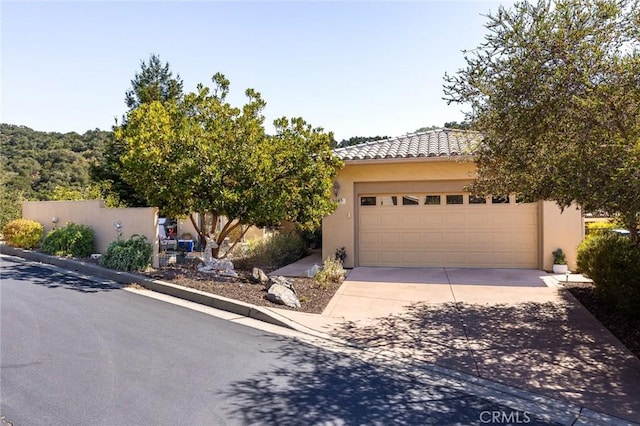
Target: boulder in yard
x,y
283,295
258,276
282,281
311,272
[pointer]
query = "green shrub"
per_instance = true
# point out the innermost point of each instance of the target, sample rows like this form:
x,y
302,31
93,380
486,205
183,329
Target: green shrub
x,y
559,257
272,252
129,255
23,233
599,228
331,272
613,263
72,240
10,204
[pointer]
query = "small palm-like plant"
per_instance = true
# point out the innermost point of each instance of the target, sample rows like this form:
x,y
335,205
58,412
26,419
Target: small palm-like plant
x,y
558,257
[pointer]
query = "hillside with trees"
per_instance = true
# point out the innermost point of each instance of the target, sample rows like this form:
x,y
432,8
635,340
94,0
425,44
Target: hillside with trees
x,y
43,165
36,163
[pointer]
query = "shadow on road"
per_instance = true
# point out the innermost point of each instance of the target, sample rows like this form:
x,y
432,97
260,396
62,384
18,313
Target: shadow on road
x,y
556,349
52,279
323,387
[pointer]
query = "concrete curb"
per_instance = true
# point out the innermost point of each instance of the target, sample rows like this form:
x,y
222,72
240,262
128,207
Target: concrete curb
x,y
192,295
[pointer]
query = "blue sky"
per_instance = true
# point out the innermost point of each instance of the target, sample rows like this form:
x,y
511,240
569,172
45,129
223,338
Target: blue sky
x,y
353,68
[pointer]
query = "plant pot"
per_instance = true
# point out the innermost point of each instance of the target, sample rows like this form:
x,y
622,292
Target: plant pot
x,y
560,269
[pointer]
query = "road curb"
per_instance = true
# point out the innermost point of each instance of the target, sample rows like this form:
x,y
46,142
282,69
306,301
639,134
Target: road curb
x,y
186,293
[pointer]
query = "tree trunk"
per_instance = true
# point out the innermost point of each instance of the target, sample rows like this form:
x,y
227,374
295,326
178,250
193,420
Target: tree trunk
x,y
202,239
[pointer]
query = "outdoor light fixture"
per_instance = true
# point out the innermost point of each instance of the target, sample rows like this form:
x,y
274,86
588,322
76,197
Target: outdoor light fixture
x,y
54,219
117,225
336,188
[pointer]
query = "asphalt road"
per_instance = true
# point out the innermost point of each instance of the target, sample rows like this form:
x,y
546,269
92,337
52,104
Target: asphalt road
x,y
83,352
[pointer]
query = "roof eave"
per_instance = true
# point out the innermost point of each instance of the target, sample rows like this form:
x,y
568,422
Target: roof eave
x,y
443,158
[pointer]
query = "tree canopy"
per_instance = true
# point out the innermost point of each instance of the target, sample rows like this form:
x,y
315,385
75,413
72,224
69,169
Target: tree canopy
x,y
36,163
555,89
201,154
154,82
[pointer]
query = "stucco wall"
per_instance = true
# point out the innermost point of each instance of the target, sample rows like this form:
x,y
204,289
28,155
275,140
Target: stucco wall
x,y
560,229
565,230
93,213
338,229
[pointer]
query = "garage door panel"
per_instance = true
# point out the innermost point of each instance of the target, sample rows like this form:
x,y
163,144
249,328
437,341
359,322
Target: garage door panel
x,y
433,258
433,237
368,220
513,239
477,235
456,219
474,237
480,258
389,237
390,258
411,238
513,218
369,237
388,221
410,220
474,219
368,257
454,238
432,219
412,258
455,258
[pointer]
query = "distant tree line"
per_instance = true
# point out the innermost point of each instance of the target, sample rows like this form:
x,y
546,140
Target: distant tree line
x,y
36,163
355,140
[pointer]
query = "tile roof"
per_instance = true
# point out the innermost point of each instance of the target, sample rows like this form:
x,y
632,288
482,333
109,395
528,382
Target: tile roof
x,y
433,143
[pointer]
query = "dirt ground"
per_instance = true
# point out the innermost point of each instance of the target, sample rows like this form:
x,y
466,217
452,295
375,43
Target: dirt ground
x,y
312,297
628,332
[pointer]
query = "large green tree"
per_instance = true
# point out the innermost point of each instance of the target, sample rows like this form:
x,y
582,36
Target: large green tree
x,y
201,154
555,89
153,83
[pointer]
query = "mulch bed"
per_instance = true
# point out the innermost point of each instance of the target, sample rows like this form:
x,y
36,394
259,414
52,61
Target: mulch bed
x,y
312,297
628,332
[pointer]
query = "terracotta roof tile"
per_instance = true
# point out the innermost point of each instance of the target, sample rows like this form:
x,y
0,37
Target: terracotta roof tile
x,y
433,143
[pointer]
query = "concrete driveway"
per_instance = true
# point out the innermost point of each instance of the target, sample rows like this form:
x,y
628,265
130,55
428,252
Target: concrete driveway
x,y
515,327
370,293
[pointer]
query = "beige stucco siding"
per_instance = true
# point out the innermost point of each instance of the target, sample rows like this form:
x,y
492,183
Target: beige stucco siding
x,y
339,228
93,213
517,235
560,229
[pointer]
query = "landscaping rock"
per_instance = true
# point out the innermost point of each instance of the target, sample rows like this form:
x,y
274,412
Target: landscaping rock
x,y
282,281
283,295
311,272
258,276
222,267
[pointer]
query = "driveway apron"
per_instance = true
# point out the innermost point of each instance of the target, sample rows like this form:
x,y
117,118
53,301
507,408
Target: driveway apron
x,y
506,325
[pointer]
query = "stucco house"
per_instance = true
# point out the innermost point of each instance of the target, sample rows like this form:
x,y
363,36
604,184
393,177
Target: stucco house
x,y
401,202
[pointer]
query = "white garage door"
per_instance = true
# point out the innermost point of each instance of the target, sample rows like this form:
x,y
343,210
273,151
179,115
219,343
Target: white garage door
x,y
446,229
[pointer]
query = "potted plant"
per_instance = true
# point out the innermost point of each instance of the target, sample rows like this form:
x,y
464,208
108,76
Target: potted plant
x,y
559,262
